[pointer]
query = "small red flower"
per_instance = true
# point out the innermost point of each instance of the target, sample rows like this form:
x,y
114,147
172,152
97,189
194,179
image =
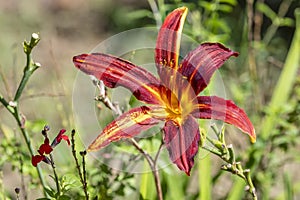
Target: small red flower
x,y
45,148
36,159
60,137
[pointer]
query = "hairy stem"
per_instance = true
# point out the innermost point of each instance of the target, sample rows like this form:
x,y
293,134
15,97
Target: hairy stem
x,y
81,176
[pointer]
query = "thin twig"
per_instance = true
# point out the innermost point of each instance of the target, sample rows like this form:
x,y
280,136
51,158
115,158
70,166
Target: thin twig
x,y
152,164
155,12
55,174
6,85
115,108
258,20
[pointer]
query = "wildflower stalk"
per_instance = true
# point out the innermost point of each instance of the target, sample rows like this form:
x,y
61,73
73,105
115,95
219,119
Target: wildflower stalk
x,y
17,191
55,174
82,177
13,106
227,154
83,154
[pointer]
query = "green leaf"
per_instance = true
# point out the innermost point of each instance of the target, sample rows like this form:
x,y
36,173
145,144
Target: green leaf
x,y
138,14
231,2
225,8
288,189
205,178
237,190
50,192
64,197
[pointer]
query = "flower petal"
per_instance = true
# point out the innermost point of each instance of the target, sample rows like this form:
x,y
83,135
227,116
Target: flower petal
x,y
115,72
127,125
45,148
168,41
36,159
182,142
212,107
200,64
66,138
60,136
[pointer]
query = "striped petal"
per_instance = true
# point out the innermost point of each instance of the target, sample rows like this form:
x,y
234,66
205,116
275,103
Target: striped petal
x,y
200,64
127,125
168,42
212,107
182,142
115,72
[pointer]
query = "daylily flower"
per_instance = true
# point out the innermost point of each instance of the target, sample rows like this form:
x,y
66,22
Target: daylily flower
x,y
174,97
46,148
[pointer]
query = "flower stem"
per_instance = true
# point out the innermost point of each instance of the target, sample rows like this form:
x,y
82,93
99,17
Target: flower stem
x,y
82,177
13,106
83,154
55,174
26,137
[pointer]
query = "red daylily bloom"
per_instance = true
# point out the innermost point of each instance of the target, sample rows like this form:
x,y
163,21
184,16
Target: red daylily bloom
x,y
174,96
45,148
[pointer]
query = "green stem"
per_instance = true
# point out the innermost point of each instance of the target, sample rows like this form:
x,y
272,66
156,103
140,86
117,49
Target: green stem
x,y
156,12
16,114
4,102
13,107
28,71
232,166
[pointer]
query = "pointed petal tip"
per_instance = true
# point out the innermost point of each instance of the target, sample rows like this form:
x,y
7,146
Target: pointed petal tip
x,y
182,9
78,60
253,137
188,172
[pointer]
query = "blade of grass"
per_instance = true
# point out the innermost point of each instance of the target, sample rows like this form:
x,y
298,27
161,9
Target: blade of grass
x,y
205,178
237,190
175,184
288,189
147,184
